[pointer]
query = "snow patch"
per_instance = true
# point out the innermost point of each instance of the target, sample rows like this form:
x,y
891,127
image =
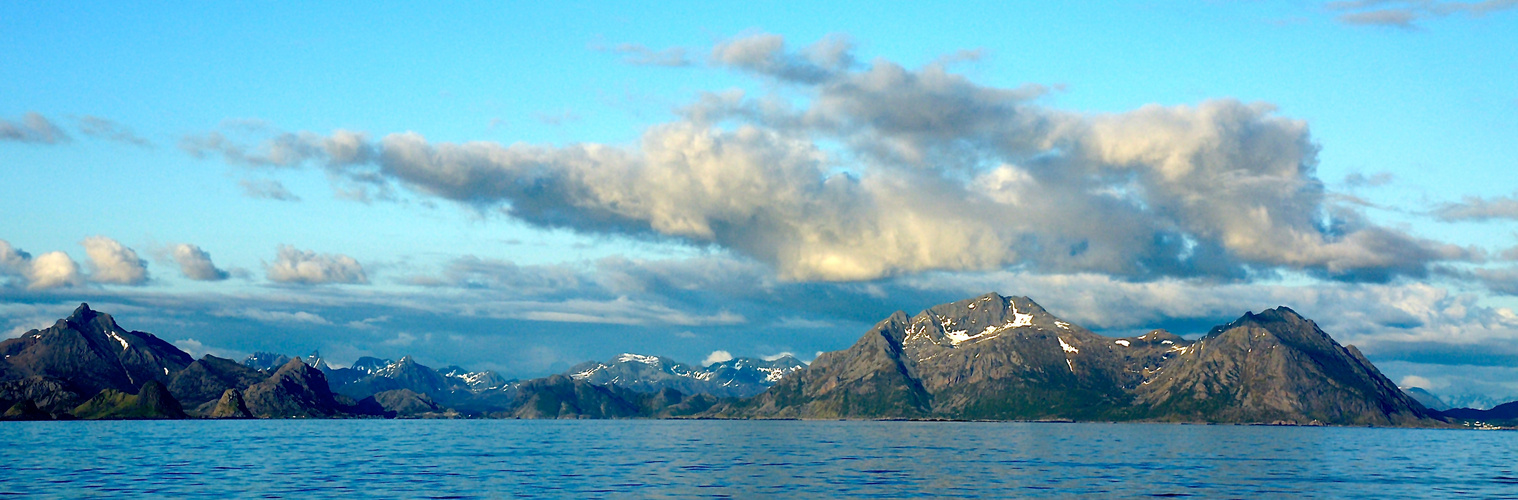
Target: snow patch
x,y
165,370
639,358
1120,342
1062,324
119,339
1069,364
1168,342
1067,347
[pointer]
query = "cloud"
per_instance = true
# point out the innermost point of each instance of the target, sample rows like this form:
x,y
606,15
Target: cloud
x,y
53,270
717,357
49,270
196,263
776,356
111,262
278,150
1406,13
197,349
102,128
309,268
1479,209
267,189
33,128
857,172
637,54
557,119
1416,381
275,316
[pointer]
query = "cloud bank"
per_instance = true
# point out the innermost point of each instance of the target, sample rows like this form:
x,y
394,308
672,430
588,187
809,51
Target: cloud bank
x,y
853,171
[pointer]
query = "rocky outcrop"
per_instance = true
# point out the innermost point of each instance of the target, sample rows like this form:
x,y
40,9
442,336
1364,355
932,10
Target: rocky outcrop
x,y
231,405
152,401
209,378
88,352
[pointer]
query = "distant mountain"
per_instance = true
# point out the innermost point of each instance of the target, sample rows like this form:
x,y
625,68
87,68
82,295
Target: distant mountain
x,y
1425,398
995,357
1505,414
738,377
558,396
265,361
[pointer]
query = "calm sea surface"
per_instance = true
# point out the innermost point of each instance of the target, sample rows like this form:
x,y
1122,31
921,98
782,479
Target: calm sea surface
x,y
744,459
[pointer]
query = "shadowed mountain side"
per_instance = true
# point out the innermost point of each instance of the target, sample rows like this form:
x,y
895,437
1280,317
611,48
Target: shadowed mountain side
x,y
152,401
209,378
88,352
558,396
1277,366
296,390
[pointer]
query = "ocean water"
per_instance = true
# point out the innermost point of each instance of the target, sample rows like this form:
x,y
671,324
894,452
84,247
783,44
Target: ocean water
x,y
745,459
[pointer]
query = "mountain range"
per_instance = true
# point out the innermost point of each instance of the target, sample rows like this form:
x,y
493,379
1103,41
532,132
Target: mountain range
x,y
986,358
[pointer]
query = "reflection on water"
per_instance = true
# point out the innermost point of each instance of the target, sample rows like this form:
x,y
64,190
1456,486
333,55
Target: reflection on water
x,y
683,459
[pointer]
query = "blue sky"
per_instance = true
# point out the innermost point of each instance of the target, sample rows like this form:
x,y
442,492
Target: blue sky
x,y
529,186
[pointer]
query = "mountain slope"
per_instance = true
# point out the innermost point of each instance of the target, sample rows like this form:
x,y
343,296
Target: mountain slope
x,y
995,357
738,377
89,352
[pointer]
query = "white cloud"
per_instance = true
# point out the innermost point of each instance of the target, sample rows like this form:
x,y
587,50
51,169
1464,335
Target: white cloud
x,y
717,357
53,270
779,355
1416,381
197,349
931,172
275,316
309,268
196,263
111,262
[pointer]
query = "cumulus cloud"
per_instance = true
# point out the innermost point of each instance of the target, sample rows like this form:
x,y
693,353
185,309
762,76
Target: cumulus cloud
x,y
931,172
53,270
196,264
309,268
33,128
111,262
1406,13
267,189
102,128
280,149
1479,209
49,270
717,357
1416,381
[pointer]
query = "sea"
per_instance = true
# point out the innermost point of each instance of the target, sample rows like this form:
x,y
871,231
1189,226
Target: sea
x,y
744,459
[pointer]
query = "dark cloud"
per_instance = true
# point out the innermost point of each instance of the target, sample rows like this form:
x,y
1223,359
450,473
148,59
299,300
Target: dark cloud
x,y
1479,209
267,189
102,128
33,128
1405,14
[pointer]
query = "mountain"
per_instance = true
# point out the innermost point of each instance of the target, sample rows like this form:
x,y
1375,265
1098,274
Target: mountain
x,y
1505,414
1425,398
474,381
296,390
995,357
231,405
1277,366
88,352
738,377
265,361
558,396
407,403
203,384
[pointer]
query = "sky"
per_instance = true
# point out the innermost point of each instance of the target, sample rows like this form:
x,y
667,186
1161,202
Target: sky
x,y
521,188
